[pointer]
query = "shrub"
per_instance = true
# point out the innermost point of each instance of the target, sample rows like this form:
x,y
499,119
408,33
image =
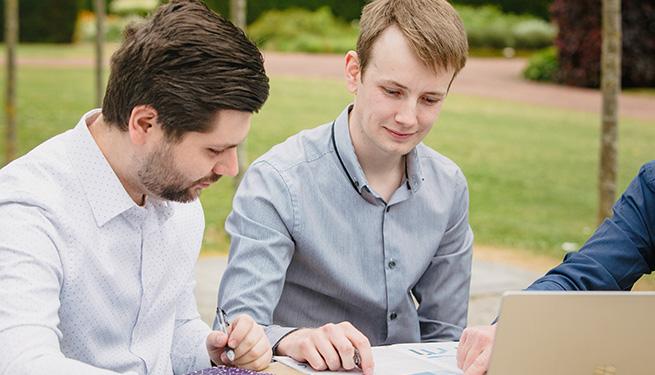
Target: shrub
x,y
488,27
533,34
302,30
114,26
347,10
542,66
538,8
579,42
45,21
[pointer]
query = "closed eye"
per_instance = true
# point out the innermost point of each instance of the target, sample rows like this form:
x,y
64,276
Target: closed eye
x,y
391,92
431,100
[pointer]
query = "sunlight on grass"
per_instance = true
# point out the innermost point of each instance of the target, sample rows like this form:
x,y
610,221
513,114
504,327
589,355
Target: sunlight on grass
x,y
531,170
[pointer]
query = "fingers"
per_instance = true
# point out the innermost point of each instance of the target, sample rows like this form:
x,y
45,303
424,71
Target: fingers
x,y
363,347
474,349
462,348
216,342
253,360
480,365
331,346
248,340
238,332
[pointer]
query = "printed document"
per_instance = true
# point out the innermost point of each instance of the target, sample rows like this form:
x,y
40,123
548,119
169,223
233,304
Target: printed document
x,y
435,358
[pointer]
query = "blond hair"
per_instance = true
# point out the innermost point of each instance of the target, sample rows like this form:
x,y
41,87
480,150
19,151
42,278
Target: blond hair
x,y
432,29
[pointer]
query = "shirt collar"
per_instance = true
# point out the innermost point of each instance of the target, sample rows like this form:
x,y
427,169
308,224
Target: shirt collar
x,y
104,191
346,152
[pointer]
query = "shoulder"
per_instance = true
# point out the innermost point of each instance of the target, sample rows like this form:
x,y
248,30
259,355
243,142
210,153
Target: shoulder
x,y
300,148
647,174
439,168
40,176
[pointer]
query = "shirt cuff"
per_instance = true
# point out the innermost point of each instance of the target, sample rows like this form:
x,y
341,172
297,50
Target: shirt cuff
x,y
275,334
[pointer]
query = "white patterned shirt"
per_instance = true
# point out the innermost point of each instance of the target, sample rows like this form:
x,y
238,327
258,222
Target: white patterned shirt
x,y
90,282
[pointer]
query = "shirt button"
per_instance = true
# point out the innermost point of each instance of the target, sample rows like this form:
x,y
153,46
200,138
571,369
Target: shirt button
x,y
392,264
393,316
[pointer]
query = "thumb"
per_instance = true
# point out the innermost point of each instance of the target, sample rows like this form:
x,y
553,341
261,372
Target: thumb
x,y
216,340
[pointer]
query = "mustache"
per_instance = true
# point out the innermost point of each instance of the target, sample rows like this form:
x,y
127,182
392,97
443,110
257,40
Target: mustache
x,y
209,179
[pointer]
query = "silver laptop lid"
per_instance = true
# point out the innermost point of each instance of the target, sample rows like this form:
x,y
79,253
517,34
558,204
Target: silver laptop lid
x,y
576,333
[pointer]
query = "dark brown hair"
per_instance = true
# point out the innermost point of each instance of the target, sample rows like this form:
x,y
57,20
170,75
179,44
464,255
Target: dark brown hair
x,y
186,62
432,29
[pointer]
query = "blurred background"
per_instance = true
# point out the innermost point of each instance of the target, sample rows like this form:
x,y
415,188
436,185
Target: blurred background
x,y
523,120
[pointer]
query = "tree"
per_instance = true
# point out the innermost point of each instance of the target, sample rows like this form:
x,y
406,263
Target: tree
x,y
100,44
611,87
238,16
11,40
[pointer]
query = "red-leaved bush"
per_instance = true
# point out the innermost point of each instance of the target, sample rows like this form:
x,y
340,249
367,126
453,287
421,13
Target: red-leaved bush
x,y
579,42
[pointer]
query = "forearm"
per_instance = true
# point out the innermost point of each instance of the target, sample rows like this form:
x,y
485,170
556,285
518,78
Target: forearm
x,y
189,349
34,351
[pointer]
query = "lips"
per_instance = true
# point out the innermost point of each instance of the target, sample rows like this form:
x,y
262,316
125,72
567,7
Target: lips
x,y
398,135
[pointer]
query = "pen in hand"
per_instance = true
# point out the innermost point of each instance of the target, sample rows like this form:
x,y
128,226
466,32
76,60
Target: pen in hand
x,y
222,326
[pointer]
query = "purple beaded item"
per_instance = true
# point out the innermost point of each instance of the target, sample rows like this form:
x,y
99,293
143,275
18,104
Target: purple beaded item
x,y
224,370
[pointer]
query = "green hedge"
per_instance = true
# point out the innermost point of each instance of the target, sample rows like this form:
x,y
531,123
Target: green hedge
x,y
543,66
44,21
345,9
303,30
489,27
538,8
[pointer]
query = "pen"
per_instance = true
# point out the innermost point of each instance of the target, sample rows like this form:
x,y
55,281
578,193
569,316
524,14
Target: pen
x,y
222,325
357,359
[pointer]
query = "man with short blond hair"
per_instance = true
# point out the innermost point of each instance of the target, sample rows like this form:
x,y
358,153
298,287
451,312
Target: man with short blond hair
x,y
355,233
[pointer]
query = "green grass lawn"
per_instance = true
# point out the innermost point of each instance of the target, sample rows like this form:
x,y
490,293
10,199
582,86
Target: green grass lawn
x,y
531,170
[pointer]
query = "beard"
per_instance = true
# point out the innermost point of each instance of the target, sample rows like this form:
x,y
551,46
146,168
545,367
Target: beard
x,y
162,179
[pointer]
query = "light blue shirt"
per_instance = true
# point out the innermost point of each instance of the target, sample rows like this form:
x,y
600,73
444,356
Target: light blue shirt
x,y
312,243
91,283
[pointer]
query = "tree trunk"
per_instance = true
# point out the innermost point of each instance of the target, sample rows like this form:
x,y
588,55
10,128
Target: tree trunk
x,y
611,87
238,17
11,41
100,45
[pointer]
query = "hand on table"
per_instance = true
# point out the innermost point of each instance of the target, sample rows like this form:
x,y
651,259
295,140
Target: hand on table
x,y
474,349
251,346
331,346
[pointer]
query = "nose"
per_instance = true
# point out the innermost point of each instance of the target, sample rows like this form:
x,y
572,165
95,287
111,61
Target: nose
x,y
228,164
406,113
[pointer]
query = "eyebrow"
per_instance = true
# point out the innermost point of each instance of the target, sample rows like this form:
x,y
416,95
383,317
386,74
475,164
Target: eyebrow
x,y
399,85
224,146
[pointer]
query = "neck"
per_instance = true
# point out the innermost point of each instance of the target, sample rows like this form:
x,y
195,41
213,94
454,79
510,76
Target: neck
x,y
115,147
384,171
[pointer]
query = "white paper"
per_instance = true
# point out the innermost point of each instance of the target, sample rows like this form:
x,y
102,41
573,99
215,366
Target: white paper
x,y
437,358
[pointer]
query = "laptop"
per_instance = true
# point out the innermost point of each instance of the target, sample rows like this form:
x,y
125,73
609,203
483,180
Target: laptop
x,y
575,333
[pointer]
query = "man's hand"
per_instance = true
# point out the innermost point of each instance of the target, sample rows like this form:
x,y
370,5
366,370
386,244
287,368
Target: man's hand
x,y
331,346
248,340
474,349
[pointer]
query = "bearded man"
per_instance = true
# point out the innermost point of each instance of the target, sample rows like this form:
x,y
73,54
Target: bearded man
x,y
101,227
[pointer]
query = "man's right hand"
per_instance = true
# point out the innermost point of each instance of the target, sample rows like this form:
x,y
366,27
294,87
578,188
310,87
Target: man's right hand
x,y
331,346
474,349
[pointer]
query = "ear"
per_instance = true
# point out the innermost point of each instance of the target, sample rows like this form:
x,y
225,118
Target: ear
x,y
353,71
142,124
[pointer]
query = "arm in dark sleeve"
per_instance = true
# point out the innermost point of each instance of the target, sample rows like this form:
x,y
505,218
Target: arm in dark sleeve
x,y
620,251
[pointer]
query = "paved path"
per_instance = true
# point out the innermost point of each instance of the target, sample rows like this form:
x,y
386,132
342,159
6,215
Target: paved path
x,y
488,77
489,281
